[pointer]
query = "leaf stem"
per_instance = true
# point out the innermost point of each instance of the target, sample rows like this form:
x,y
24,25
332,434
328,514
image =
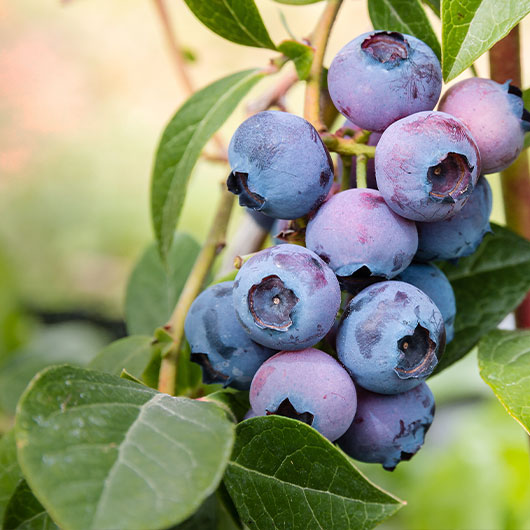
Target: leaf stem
x,y
505,63
214,243
319,41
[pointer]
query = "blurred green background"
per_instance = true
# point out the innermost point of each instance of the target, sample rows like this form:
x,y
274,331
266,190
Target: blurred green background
x,y
86,88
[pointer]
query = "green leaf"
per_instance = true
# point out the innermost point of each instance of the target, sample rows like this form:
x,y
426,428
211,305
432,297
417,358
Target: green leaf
x,y
297,2
434,5
405,16
103,452
61,343
130,353
10,472
212,515
504,363
284,474
488,285
154,287
25,512
189,375
182,142
234,401
301,55
471,27
238,21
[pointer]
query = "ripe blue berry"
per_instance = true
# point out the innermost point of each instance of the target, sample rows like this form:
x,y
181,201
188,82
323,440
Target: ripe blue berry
x,y
218,343
434,283
389,429
307,385
494,114
286,297
382,76
391,337
461,235
280,166
357,234
427,166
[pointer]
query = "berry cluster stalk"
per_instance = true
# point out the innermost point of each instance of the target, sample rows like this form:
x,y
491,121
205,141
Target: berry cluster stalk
x,y
214,243
319,41
505,64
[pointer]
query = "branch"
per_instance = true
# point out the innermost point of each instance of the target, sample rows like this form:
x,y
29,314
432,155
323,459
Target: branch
x,y
214,243
250,237
275,95
347,146
361,171
178,59
319,41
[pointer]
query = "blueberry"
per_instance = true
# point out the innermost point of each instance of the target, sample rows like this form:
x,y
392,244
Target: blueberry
x,y
218,343
434,283
427,166
359,236
306,385
279,164
461,235
389,429
370,163
391,337
286,297
382,76
494,114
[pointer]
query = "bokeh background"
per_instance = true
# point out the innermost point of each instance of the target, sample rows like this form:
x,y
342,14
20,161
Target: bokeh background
x,y
86,88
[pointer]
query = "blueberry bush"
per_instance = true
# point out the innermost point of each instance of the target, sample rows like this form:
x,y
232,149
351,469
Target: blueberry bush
x,y
244,396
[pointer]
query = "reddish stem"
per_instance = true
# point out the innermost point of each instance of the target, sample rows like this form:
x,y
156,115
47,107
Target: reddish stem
x,y
505,63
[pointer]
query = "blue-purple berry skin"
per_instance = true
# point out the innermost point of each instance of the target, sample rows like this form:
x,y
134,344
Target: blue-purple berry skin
x,y
434,283
427,166
391,337
461,235
308,385
495,115
279,164
381,76
217,341
286,297
389,429
355,229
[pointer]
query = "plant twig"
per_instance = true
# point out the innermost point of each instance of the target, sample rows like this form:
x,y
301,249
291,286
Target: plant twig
x,y
275,96
249,237
178,58
346,172
214,243
361,171
505,63
319,41
347,146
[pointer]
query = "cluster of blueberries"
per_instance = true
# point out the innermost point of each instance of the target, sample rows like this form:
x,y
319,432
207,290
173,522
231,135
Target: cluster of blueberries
x,y
362,287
